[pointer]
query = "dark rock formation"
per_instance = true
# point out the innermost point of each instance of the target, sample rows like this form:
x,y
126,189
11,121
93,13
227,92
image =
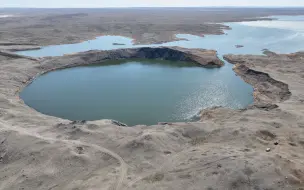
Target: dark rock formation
x,y
266,89
206,58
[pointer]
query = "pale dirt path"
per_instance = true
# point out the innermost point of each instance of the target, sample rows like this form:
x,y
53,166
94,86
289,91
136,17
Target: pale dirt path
x,y
123,164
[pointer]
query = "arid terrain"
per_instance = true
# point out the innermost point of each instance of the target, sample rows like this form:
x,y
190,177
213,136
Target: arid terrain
x,y
145,25
260,147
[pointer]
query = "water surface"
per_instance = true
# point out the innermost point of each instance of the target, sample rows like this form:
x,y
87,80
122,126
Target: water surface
x,y
147,92
101,43
133,91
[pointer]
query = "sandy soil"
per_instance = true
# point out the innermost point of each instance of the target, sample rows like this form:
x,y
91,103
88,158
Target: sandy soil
x,y
146,25
260,147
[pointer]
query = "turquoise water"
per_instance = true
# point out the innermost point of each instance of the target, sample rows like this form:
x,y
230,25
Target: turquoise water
x,y
135,91
146,91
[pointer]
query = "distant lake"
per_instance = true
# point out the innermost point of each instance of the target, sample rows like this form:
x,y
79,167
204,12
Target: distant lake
x,y
151,91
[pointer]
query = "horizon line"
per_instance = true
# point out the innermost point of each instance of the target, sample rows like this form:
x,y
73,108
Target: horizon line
x,y
151,7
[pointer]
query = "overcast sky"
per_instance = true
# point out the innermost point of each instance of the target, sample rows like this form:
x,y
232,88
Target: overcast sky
x,y
148,3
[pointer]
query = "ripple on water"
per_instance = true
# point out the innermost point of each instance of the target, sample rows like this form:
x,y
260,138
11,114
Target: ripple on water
x,y
144,93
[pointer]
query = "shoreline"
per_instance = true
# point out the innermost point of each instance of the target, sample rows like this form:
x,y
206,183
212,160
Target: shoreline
x,y
231,137
135,40
15,47
258,147
238,68
201,57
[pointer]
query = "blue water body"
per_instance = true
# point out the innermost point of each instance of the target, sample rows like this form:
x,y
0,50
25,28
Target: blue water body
x,y
146,92
135,91
103,43
284,35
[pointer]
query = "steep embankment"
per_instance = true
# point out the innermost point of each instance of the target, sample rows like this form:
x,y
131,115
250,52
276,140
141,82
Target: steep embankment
x,y
206,58
261,147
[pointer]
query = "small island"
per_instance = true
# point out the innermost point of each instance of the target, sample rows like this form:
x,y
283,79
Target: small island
x,y
239,46
118,44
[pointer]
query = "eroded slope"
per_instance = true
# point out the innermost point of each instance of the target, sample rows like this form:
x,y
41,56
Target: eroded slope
x,y
225,150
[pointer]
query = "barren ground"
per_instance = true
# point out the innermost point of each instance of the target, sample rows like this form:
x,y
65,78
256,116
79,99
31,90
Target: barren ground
x,y
145,25
225,150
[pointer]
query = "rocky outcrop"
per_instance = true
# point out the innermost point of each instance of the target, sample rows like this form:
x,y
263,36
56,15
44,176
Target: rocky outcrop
x,y
266,89
206,58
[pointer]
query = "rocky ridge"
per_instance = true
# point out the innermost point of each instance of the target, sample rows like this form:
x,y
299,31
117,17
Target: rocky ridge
x,y
206,58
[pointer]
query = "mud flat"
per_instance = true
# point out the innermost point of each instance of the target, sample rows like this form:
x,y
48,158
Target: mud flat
x,y
225,150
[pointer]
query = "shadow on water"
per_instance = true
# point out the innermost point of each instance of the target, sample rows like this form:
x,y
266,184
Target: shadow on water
x,y
149,62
